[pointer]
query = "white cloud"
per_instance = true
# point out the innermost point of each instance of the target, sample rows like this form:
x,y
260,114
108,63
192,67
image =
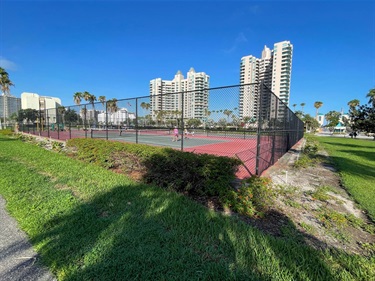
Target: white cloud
x,y
241,38
7,64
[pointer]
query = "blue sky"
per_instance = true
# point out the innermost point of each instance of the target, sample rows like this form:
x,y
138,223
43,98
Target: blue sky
x,y
114,48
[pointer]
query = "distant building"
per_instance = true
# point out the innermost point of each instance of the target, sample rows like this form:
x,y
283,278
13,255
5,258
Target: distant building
x,y
273,69
13,105
120,117
47,105
194,98
320,118
34,101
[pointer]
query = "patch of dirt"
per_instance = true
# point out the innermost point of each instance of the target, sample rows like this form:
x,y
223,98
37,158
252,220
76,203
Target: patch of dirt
x,y
320,209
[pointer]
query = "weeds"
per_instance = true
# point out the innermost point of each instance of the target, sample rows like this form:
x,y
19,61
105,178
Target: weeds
x,y
307,227
320,193
330,218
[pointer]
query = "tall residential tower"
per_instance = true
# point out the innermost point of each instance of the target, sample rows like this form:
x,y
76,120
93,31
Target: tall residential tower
x,y
171,96
273,69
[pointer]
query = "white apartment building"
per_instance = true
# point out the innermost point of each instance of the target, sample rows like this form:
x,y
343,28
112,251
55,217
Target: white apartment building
x,y
273,69
48,105
120,117
189,95
34,101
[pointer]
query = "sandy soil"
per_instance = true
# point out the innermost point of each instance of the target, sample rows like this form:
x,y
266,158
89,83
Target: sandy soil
x,y
318,205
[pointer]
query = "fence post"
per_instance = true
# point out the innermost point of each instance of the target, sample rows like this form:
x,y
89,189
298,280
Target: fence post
x,y
57,123
136,120
259,132
274,131
182,121
47,124
84,120
106,120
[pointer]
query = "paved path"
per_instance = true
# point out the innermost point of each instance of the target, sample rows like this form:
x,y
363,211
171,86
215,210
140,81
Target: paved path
x,y
18,260
346,135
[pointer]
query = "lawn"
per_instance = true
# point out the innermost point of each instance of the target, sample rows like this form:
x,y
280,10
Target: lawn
x,y
88,223
355,161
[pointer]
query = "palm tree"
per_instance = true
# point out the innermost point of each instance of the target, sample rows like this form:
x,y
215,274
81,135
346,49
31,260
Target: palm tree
x,y
5,84
61,110
317,105
302,105
112,107
353,103
228,113
77,97
83,113
91,99
294,107
145,106
102,99
371,96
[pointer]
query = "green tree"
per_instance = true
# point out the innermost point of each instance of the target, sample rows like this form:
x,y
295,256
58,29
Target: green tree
x,y
332,118
311,123
193,123
21,116
371,96
294,106
61,111
302,106
299,114
222,123
362,117
71,116
30,115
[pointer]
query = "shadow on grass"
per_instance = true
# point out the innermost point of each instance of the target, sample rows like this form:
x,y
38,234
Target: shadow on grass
x,y
142,233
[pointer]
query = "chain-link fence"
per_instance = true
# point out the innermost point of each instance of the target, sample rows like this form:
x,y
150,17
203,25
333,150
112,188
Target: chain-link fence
x,y
246,121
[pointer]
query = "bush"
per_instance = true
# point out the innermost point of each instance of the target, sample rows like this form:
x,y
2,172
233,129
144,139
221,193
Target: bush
x,y
253,198
6,132
193,174
311,148
196,174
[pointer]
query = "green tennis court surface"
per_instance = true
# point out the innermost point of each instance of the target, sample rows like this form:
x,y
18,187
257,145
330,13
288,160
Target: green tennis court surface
x,y
161,138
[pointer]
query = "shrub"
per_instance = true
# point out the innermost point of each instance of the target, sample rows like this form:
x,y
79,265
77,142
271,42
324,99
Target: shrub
x,y
6,132
253,198
197,174
194,174
311,148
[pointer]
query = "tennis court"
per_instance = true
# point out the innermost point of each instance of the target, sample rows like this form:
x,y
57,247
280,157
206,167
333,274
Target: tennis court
x,y
239,145
242,146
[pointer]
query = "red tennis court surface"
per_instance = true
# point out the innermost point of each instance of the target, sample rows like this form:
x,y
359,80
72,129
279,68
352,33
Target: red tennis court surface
x,y
243,149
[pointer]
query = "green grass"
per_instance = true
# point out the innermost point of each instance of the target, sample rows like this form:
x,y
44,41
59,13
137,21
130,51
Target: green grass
x,y
91,224
355,161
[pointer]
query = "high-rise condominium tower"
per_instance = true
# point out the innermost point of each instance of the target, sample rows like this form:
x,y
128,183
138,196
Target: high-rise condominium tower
x,y
191,94
273,69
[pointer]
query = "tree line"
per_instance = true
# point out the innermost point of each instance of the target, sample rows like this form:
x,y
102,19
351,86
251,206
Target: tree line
x,y
361,117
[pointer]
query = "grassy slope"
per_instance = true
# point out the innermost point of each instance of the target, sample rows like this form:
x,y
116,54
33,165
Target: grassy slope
x,y
355,160
91,224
